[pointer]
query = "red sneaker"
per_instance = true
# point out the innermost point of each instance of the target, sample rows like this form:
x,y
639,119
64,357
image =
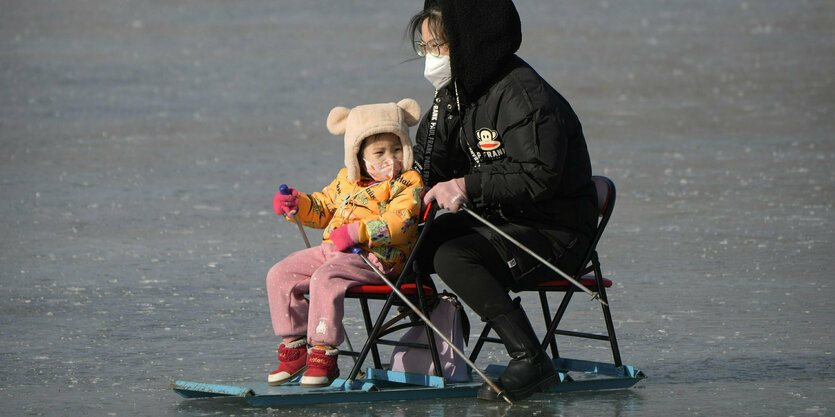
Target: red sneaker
x,y
293,361
322,368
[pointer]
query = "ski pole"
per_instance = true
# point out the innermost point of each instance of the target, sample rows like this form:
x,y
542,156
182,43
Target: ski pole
x,y
499,393
594,295
283,189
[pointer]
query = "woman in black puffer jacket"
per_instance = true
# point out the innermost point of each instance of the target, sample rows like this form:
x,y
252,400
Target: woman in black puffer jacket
x,y
499,138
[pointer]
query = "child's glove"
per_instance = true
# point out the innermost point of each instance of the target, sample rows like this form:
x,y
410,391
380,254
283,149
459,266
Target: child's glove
x,y
286,204
450,195
344,237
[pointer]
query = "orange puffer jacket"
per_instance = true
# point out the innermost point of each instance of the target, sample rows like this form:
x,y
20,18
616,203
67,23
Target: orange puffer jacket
x,y
388,213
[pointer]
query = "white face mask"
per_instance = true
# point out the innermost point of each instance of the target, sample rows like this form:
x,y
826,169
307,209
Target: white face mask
x,y
437,70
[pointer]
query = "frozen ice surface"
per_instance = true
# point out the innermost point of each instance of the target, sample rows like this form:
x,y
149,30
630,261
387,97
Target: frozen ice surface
x,y
141,143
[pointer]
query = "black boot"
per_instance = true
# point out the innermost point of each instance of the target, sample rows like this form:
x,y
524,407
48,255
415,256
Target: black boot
x,y
530,370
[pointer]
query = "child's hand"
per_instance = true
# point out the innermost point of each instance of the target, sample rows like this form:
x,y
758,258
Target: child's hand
x,y
286,204
344,237
450,195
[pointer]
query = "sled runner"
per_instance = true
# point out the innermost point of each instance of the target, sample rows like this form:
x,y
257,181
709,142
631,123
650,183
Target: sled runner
x,y
381,385
378,384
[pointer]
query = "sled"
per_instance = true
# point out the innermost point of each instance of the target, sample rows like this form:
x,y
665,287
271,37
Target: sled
x,y
383,385
379,384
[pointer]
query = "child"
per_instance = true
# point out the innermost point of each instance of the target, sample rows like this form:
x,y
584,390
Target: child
x,y
372,204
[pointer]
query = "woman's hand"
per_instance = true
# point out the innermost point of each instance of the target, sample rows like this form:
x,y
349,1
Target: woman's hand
x,y
286,204
450,195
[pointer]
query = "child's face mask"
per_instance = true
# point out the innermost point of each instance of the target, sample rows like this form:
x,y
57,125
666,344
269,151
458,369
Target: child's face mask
x,y
384,170
383,156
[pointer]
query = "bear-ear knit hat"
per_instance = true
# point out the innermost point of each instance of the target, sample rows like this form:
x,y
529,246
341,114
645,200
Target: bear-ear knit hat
x,y
372,119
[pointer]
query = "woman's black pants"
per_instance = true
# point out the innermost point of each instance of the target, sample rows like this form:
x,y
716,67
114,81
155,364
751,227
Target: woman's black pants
x,y
469,264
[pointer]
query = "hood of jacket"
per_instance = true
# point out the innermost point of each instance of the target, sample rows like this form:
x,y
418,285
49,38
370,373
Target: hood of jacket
x,y
483,35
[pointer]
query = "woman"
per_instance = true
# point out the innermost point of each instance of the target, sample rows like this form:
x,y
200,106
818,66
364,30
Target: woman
x,y
500,139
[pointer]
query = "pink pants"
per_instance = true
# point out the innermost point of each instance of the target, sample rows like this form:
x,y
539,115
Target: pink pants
x,y
325,274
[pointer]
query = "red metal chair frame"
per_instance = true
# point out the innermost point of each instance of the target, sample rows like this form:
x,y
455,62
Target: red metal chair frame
x,y
417,289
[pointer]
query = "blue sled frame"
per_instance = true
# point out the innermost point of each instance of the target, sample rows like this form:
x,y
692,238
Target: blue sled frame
x,y
382,385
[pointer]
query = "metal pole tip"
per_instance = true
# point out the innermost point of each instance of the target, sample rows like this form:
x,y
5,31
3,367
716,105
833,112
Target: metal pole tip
x,y
596,296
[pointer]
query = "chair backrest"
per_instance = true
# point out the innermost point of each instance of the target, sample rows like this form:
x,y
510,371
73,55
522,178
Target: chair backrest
x,y
605,205
605,200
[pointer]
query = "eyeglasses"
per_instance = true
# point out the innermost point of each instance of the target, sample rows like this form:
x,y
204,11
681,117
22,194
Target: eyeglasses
x,y
433,48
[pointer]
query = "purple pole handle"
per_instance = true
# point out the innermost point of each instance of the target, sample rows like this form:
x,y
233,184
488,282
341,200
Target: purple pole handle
x,y
284,189
356,250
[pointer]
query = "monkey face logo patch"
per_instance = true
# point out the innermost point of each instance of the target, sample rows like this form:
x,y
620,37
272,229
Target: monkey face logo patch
x,y
487,139
489,143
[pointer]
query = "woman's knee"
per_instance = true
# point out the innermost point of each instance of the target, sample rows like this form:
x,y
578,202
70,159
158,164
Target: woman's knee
x,y
463,261
449,257
470,268
465,251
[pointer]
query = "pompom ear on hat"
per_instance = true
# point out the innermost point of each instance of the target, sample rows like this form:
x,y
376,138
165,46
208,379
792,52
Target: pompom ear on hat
x,y
411,109
372,119
336,120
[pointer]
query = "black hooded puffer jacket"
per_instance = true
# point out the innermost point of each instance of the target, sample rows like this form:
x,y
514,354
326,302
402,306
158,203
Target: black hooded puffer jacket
x,y
516,140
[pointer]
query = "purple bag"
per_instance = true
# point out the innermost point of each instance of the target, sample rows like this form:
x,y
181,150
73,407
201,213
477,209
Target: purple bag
x,y
449,317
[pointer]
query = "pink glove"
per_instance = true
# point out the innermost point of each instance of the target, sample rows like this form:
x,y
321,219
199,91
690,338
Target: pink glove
x,y
344,237
450,195
286,204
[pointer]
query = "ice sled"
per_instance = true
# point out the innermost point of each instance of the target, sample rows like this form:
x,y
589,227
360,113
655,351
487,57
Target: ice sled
x,y
380,384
